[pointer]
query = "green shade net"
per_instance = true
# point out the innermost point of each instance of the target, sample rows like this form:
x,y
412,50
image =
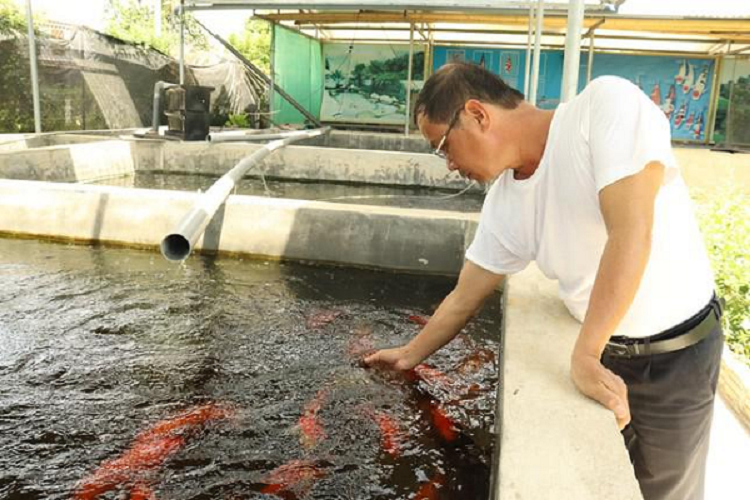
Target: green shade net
x,y
298,66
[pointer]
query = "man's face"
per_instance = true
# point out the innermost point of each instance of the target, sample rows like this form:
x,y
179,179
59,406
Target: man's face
x,y
466,145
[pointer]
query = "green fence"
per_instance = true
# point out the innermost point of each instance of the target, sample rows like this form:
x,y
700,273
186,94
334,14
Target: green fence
x,y
298,67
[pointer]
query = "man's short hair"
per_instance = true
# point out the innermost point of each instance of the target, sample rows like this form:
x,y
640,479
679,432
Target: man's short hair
x,y
454,84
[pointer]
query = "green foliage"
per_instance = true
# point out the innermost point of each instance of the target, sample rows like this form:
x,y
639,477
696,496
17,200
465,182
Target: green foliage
x,y
238,121
725,223
12,20
255,43
133,22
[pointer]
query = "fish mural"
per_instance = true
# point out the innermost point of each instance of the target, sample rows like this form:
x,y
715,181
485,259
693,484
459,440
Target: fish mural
x,y
679,78
687,84
293,480
698,128
134,469
656,94
690,119
700,84
668,105
680,117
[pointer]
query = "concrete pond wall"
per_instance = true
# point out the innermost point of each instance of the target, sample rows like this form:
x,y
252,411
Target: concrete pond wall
x,y
552,441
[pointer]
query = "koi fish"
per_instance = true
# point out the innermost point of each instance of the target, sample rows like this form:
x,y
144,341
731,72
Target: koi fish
x,y
311,428
700,85
149,451
698,129
680,76
445,426
690,119
656,94
431,489
668,106
689,79
294,479
320,319
475,361
360,344
680,117
419,320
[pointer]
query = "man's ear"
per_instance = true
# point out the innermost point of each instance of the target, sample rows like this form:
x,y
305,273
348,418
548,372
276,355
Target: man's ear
x,y
478,112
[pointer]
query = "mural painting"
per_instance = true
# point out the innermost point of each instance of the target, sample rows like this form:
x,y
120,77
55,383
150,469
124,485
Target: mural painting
x,y
366,83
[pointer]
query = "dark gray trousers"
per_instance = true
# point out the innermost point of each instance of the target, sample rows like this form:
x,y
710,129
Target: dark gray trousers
x,y
671,399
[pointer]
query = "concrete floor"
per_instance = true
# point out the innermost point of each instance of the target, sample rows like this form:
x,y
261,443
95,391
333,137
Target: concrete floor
x,y
728,457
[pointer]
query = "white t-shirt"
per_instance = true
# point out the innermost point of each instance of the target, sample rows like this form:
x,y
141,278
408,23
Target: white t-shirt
x,y
608,132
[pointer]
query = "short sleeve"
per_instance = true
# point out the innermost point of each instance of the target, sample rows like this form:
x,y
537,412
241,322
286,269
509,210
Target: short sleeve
x,y
489,253
627,132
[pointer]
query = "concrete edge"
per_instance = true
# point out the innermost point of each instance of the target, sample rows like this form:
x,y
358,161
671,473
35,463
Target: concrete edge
x,y
734,385
555,443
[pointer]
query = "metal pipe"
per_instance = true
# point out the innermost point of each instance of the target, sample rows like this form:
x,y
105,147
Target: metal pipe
x,y
182,42
590,65
242,136
408,79
158,88
33,65
572,59
178,245
537,51
527,68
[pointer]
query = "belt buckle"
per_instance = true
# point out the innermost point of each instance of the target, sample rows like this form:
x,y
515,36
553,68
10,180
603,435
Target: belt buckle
x,y
621,350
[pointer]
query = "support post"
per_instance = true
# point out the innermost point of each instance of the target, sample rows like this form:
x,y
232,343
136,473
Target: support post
x,y
537,51
408,79
590,65
572,60
33,65
182,42
272,75
527,67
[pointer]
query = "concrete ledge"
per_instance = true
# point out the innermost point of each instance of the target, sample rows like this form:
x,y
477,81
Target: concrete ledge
x,y
734,385
423,241
554,443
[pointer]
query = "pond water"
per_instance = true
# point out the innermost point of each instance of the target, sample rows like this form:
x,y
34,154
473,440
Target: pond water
x,y
360,194
124,376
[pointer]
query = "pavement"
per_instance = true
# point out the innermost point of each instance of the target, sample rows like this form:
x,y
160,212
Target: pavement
x,y
728,468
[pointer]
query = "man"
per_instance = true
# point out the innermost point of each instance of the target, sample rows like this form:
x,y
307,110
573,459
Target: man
x,y
592,193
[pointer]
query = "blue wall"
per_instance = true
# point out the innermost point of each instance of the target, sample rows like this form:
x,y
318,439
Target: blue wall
x,y
687,106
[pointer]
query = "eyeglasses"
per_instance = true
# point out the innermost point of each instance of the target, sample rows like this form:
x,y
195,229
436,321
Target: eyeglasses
x,y
439,149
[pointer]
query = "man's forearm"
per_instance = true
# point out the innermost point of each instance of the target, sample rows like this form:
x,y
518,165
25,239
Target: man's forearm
x,y
620,272
445,324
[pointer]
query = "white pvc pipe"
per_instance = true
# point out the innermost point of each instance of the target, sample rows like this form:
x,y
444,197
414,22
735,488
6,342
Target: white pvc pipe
x,y
537,51
34,70
177,245
408,79
571,64
527,70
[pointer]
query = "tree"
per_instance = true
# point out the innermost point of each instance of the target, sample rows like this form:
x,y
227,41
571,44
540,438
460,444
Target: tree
x,y
133,21
12,20
255,43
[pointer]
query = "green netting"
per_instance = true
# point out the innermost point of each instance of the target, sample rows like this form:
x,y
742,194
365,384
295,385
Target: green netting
x,y
298,67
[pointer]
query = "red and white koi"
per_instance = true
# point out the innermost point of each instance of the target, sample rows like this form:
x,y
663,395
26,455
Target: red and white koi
x,y
311,428
293,479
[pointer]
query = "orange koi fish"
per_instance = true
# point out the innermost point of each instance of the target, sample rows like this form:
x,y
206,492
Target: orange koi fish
x,y
311,428
320,319
445,426
475,361
150,449
292,480
430,490
419,320
360,345
392,436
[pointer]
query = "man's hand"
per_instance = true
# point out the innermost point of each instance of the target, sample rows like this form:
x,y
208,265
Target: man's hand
x,y
397,358
600,384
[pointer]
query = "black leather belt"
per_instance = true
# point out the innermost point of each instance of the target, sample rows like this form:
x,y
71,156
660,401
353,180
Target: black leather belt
x,y
684,335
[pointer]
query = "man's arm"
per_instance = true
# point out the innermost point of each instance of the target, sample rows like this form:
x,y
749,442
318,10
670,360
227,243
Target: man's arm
x,y
474,285
628,209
